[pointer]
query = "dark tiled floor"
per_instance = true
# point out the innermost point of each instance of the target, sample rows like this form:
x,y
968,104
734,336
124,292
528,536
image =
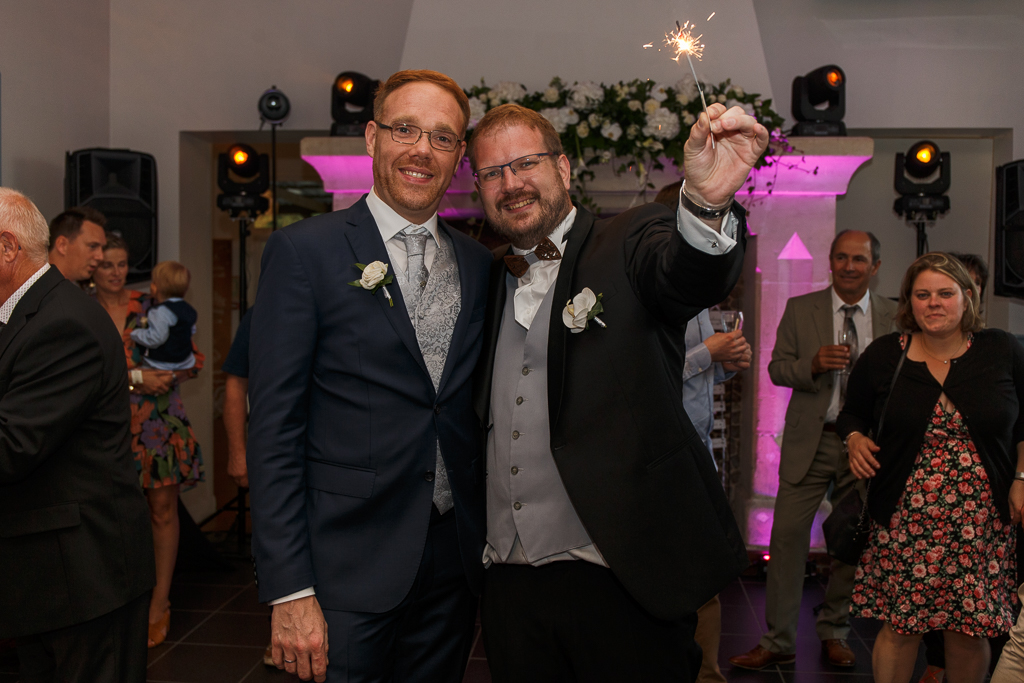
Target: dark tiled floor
x,y
218,633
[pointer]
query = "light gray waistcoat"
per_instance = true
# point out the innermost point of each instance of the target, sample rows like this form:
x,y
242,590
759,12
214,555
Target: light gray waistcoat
x,y
520,467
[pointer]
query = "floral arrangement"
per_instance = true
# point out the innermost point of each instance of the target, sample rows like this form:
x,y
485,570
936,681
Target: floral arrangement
x,y
633,125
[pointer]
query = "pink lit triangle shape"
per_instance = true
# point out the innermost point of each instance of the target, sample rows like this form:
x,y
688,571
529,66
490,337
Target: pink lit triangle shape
x,y
795,250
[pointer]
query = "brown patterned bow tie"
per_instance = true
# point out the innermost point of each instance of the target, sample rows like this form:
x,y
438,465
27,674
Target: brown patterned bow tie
x,y
545,251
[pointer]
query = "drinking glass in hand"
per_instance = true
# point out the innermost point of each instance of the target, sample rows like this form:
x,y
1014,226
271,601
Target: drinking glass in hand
x,y
730,321
844,340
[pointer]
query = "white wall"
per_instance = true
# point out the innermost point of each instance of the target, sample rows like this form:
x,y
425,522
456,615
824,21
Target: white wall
x,y
909,64
530,41
194,65
54,91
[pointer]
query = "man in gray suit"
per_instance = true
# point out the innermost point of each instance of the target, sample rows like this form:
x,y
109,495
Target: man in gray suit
x,y
809,358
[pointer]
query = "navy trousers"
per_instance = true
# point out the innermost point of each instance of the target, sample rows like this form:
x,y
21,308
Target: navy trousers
x,y
426,638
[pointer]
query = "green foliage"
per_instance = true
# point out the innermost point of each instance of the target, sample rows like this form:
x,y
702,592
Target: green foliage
x,y
632,125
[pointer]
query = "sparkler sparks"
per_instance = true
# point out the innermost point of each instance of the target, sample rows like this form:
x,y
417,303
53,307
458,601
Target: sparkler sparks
x,y
683,42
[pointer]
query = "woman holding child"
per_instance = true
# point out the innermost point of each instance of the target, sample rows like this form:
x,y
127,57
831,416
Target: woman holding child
x,y
166,452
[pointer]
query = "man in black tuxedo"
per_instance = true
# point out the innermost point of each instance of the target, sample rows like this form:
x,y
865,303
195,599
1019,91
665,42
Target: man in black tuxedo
x,y
607,526
76,548
364,458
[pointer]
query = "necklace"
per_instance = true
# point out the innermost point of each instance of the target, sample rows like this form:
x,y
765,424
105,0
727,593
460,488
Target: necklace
x,y
944,362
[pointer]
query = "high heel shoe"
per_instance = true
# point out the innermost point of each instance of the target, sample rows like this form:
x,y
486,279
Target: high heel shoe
x,y
158,631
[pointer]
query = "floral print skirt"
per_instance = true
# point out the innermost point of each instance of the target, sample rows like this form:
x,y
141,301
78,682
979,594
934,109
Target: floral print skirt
x,y
946,560
165,448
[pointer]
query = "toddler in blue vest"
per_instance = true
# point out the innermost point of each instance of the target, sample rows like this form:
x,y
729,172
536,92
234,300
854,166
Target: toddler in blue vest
x,y
167,339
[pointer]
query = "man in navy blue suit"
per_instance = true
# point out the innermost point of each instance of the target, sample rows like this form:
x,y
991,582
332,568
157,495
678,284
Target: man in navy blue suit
x,y
364,454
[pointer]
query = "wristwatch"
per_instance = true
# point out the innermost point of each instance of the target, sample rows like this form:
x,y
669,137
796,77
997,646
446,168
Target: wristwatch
x,y
701,211
1018,476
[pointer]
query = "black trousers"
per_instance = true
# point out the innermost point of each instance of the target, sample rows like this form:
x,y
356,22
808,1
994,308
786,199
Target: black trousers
x,y
573,621
107,649
426,638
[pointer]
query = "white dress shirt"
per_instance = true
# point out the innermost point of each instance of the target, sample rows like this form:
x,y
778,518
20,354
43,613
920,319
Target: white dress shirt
x,y
861,321
13,299
390,224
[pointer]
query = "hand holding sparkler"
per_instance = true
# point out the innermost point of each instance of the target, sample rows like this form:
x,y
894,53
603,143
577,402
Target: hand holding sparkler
x,y
715,174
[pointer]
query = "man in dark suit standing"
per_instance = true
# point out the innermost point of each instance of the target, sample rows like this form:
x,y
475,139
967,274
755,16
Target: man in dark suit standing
x,y
76,549
364,451
607,526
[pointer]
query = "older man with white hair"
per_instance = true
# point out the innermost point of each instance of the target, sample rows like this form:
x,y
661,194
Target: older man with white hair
x,y
76,550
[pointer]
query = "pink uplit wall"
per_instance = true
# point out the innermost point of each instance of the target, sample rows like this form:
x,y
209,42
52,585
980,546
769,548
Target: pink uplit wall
x,y
796,224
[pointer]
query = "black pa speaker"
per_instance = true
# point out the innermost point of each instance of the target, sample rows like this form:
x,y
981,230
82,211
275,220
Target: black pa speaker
x,y
121,184
1009,262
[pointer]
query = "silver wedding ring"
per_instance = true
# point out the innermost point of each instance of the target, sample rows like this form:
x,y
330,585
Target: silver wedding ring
x,y
289,661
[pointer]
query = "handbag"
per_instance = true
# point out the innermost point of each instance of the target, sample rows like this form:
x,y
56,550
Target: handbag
x,y
847,527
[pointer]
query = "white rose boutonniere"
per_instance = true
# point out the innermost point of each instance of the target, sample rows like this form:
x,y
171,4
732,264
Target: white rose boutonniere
x,y
375,276
583,308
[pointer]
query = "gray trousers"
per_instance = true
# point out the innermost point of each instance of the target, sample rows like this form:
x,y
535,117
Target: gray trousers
x,y
795,507
1011,663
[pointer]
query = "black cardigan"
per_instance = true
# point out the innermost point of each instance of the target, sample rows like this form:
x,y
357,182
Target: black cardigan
x,y
986,384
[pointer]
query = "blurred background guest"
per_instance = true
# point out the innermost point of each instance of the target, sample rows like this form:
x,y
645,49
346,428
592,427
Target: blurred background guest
x,y
76,242
76,560
167,455
942,498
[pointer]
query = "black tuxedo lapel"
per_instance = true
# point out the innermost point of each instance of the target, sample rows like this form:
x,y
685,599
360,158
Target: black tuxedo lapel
x,y
492,328
28,306
557,331
367,245
467,287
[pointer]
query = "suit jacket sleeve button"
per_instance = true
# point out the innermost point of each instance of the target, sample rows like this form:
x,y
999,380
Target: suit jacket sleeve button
x,y
429,475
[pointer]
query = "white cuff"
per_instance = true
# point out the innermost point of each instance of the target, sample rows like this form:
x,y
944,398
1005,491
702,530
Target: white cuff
x,y
697,233
304,593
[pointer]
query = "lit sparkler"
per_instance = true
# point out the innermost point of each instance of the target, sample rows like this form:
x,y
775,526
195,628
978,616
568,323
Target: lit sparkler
x,y
684,43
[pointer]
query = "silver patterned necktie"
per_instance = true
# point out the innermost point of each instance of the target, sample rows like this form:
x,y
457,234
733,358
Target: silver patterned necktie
x,y
853,343
415,238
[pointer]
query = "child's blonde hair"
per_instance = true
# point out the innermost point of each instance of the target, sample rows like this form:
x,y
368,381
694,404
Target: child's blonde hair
x,y
171,278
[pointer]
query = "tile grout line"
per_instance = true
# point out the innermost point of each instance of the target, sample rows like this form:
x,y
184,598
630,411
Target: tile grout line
x,y
194,628
249,672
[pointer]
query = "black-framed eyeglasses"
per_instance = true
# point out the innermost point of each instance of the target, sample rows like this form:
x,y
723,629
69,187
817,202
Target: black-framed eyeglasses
x,y
408,134
523,167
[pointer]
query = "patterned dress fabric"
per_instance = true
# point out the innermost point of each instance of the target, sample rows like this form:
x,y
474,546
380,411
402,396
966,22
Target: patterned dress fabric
x,y
946,560
165,448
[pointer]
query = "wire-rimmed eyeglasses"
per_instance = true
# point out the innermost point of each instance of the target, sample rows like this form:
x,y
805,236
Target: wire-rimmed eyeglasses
x,y
523,167
408,134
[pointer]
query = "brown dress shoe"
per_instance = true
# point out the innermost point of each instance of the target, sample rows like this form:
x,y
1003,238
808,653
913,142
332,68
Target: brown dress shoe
x,y
838,652
759,658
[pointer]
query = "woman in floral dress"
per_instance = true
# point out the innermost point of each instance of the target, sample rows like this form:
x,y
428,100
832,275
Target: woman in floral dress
x,y
942,500
166,452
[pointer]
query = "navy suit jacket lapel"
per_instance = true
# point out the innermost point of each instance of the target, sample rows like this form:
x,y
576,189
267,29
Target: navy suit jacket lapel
x,y
28,306
368,246
557,331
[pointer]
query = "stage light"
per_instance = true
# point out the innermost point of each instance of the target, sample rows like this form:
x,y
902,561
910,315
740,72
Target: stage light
x,y
243,176
274,106
243,161
352,103
922,179
819,102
